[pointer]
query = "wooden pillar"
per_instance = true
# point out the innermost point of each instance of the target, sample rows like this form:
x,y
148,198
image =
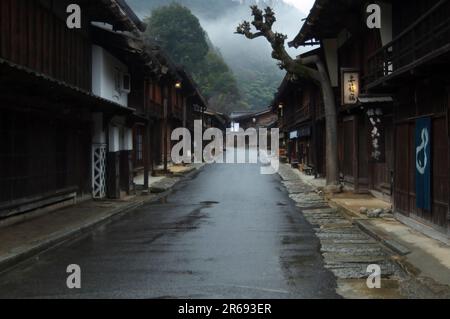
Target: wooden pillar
x,y
356,152
113,165
146,134
126,171
151,147
448,136
314,142
148,160
166,99
185,112
126,159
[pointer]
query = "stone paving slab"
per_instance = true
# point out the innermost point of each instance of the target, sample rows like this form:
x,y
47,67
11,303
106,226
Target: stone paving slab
x,y
295,187
336,241
356,249
349,229
347,251
359,271
328,223
343,259
321,211
424,261
343,236
287,174
164,185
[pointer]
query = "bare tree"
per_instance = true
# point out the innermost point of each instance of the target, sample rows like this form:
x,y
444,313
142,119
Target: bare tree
x,y
300,68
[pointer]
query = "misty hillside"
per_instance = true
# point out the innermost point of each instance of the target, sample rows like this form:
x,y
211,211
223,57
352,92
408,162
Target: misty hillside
x,y
182,37
256,72
204,9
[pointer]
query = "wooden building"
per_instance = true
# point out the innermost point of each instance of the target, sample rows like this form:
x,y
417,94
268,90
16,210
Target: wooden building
x,y
56,122
172,102
394,127
163,97
263,119
195,106
214,119
301,122
364,118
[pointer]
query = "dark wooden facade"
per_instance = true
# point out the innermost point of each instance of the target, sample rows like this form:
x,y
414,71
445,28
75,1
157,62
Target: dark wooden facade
x,y
301,121
171,100
36,36
359,170
41,157
263,119
46,102
45,145
404,76
421,58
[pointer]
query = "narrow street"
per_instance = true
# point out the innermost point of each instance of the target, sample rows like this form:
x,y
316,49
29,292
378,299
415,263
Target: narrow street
x,y
115,114
227,232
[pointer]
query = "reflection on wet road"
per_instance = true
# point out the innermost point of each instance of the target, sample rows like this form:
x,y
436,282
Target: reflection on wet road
x,y
228,232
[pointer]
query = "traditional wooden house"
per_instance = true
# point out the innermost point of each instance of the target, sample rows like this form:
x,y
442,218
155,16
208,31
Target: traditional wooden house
x,y
213,119
53,109
262,119
365,118
414,66
301,122
392,83
173,100
149,71
194,103
236,116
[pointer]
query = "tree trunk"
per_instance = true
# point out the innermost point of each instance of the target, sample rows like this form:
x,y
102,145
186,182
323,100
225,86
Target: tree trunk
x,y
263,23
332,166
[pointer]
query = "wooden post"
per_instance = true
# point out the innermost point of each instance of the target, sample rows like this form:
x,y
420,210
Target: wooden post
x,y
314,142
147,157
448,137
113,168
356,138
165,128
185,112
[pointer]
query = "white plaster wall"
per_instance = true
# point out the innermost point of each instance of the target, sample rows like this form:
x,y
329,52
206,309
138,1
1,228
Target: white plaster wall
x,y
99,136
114,139
104,68
127,139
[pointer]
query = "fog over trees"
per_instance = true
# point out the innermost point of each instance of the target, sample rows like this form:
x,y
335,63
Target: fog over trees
x,y
257,74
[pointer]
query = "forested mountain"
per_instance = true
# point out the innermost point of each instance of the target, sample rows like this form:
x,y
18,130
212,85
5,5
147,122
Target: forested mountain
x,y
256,73
204,9
180,34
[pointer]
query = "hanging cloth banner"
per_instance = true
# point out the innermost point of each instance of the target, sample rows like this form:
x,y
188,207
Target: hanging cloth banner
x,y
423,163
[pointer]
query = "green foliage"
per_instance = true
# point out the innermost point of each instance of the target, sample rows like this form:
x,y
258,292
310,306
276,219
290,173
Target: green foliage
x,y
209,9
258,84
180,34
256,74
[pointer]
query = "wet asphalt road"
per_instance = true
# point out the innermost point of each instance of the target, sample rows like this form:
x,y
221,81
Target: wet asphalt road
x,y
227,232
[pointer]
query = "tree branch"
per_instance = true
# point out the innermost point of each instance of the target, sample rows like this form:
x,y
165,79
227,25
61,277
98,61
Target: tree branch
x,y
263,23
245,29
300,68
